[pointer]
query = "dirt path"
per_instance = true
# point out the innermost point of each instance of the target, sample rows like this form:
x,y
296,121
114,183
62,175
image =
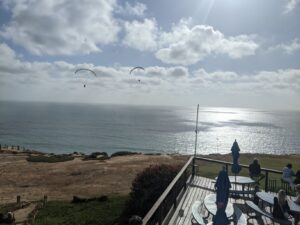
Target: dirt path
x,y
21,215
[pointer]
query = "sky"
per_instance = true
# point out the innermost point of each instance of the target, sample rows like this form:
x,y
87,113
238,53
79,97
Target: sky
x,y
220,53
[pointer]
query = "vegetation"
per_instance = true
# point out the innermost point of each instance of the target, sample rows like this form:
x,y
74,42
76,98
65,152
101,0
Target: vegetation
x,y
49,159
146,189
8,207
123,153
87,213
97,155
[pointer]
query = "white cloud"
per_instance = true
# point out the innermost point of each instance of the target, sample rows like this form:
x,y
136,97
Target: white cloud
x,y
56,81
288,48
137,9
141,35
288,80
61,27
185,46
291,5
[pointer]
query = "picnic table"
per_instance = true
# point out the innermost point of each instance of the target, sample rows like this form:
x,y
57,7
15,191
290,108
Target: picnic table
x,y
240,180
211,206
269,198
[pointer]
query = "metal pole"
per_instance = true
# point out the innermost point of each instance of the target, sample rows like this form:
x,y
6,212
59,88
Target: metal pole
x,y
196,137
196,130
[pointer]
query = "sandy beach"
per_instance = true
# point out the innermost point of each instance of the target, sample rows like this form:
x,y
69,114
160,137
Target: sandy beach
x,y
60,181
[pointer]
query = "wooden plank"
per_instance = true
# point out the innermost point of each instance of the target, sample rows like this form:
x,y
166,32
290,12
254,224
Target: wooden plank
x,y
189,201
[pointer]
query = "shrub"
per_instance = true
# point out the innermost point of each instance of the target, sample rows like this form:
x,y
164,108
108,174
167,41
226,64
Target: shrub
x,y
49,159
97,155
146,189
123,153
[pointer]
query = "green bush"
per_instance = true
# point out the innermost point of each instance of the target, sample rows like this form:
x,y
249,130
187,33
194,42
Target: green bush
x,y
147,188
49,159
123,153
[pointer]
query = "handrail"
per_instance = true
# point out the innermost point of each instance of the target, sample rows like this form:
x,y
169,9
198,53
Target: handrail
x,y
230,163
156,205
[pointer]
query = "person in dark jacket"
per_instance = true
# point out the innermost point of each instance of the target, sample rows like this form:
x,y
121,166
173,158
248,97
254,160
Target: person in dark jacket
x,y
255,171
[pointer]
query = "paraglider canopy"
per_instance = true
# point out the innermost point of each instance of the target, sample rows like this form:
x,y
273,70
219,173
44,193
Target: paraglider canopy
x,y
85,69
82,69
135,68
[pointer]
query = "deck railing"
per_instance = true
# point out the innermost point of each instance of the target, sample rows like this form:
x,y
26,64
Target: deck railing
x,y
170,197
166,204
266,171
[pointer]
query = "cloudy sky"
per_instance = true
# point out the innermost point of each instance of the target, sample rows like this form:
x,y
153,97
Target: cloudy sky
x,y
235,53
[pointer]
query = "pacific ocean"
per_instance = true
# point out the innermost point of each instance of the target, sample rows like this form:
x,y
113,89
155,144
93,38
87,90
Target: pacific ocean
x,y
68,127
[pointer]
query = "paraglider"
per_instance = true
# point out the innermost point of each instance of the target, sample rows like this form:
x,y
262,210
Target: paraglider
x,y
84,69
136,68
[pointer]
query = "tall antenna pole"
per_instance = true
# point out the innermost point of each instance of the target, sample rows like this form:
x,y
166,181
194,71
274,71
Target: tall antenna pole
x,y
196,131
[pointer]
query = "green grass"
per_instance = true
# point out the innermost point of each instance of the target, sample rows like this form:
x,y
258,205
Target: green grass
x,y
88,213
8,207
210,170
49,159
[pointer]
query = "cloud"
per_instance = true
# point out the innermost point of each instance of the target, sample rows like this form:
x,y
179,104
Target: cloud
x,y
61,27
186,46
56,81
137,9
291,5
141,35
288,48
288,79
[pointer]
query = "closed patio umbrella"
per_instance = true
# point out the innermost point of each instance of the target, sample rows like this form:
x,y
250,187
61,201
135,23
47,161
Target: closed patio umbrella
x,y
222,194
235,151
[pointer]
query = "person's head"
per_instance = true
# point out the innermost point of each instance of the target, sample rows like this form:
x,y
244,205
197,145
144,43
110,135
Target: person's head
x,y
281,196
255,161
289,166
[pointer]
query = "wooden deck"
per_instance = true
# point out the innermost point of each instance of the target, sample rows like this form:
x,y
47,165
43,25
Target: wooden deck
x,y
197,190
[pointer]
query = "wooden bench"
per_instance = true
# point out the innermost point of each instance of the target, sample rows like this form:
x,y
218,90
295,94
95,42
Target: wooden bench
x,y
197,217
260,212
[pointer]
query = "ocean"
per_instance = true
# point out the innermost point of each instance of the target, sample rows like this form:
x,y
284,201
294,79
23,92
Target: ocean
x,y
65,128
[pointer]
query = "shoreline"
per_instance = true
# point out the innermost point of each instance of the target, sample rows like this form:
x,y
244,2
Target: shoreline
x,y
15,149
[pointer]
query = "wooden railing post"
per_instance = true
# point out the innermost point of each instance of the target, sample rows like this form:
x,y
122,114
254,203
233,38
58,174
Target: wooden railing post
x,y
18,199
193,168
185,179
161,215
267,181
